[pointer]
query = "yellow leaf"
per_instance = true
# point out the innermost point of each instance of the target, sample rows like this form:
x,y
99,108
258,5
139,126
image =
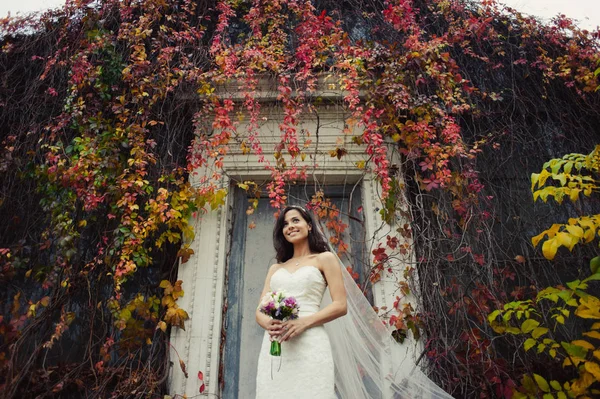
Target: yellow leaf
x,y
165,284
583,344
538,332
594,369
528,325
575,231
162,325
540,348
534,179
543,177
541,382
592,334
535,240
529,343
553,230
549,248
555,385
566,239
589,308
589,234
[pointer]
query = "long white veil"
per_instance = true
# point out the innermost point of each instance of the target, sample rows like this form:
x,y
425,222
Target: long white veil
x,y
369,363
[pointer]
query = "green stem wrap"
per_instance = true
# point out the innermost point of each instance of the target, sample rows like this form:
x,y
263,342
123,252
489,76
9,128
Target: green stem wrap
x,y
275,348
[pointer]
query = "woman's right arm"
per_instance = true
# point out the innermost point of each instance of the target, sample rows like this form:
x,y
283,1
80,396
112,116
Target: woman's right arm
x,y
269,324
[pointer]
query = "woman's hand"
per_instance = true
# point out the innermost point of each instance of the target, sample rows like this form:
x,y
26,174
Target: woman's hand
x,y
274,327
293,328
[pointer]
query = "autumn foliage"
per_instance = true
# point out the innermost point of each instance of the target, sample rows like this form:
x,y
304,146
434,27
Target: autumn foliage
x,y
109,108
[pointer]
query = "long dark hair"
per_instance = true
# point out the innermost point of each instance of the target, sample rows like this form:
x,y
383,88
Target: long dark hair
x,y
284,249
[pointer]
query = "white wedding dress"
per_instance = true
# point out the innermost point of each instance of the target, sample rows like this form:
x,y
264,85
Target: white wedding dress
x,y
352,357
305,369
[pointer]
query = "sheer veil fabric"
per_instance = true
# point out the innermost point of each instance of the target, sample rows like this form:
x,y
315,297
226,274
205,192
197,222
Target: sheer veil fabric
x,y
369,363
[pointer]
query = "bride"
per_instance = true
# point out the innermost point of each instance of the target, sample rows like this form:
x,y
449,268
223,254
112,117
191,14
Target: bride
x,y
306,267
339,350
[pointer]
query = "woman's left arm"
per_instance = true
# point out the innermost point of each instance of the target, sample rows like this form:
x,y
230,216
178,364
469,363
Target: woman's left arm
x,y
333,275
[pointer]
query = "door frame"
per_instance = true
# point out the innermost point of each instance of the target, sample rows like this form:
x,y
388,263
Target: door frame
x,y
199,346
234,288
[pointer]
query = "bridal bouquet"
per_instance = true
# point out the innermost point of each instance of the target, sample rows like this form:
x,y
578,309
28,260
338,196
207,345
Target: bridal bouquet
x,y
279,307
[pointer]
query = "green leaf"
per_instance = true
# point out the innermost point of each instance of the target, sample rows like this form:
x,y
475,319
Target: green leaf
x,y
593,277
555,165
528,384
561,178
555,385
568,167
595,264
574,350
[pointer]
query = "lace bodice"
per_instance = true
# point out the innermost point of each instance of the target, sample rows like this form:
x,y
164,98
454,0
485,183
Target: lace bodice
x,y
306,284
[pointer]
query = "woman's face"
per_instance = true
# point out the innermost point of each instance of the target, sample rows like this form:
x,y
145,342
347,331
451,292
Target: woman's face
x,y
295,228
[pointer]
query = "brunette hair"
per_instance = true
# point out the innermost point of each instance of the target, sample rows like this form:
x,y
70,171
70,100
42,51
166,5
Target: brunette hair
x,y
285,250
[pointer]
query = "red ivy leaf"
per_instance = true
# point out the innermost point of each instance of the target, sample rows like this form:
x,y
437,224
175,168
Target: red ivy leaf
x,y
200,376
202,388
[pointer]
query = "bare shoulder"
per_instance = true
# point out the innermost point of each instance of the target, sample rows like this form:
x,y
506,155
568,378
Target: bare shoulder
x,y
327,259
273,268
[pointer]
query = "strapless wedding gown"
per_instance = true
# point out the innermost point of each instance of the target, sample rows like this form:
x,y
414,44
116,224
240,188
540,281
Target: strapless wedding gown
x,y
306,370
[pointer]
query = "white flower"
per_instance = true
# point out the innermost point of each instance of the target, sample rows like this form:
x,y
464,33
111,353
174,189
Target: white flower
x,y
265,300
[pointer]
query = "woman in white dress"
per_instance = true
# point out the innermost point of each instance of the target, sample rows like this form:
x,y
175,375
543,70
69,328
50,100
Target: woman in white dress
x,y
305,269
326,353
